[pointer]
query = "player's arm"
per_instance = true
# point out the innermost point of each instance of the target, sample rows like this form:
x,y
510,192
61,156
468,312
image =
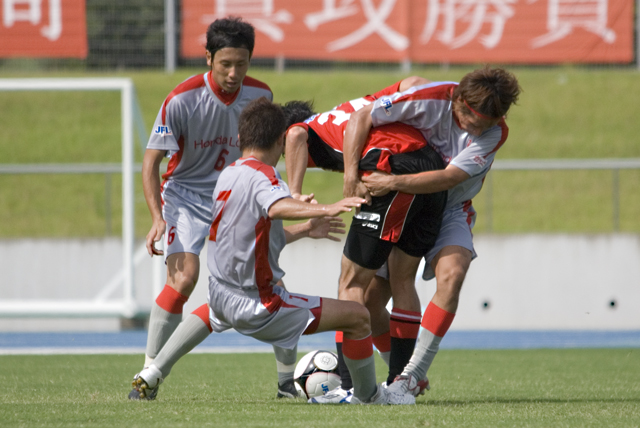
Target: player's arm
x,y
151,188
296,155
412,81
355,136
380,183
293,209
316,228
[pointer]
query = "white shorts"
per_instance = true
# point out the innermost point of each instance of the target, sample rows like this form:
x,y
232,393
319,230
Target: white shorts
x,y
243,310
457,223
188,218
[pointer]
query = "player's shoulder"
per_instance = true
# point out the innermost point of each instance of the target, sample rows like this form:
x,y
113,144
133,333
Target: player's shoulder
x,y
256,84
428,91
191,83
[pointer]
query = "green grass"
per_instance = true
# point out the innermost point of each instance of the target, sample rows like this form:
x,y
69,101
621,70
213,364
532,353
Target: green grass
x,y
562,113
515,388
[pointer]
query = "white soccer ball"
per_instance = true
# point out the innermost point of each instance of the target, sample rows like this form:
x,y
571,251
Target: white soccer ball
x,y
317,373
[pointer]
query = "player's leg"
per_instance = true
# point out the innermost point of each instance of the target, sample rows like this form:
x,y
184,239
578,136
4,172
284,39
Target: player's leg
x,y
192,331
405,316
166,313
450,266
377,297
353,320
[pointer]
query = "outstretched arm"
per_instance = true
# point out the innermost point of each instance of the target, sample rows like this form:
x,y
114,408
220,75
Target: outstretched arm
x,y
293,209
380,183
316,228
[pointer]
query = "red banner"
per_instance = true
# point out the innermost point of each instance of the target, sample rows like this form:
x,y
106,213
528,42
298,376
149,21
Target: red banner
x,y
43,29
426,31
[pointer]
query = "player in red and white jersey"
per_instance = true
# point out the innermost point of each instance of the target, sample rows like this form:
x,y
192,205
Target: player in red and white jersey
x,y
197,127
465,123
245,240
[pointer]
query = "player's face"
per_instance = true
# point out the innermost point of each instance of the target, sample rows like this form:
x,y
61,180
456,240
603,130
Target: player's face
x,y
469,121
229,67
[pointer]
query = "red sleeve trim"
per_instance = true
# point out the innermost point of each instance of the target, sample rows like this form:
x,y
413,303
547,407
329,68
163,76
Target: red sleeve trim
x,y
250,81
190,84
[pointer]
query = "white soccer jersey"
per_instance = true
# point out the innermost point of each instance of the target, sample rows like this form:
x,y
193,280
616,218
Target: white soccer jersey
x,y
200,132
244,243
429,108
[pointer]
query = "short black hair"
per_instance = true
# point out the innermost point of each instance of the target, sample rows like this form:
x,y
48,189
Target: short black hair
x,y
260,125
297,111
230,32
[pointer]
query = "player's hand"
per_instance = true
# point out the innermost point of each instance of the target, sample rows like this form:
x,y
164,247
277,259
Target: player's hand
x,y
345,205
378,183
356,188
323,227
155,235
305,198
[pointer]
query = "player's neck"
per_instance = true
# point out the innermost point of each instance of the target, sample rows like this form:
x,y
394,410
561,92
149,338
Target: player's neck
x,y
270,157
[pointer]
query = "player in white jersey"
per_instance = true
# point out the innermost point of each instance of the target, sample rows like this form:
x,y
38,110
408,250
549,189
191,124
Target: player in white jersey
x,y
245,241
197,127
465,123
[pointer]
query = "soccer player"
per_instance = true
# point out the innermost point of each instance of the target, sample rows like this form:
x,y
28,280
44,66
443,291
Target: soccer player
x,y
197,127
245,240
398,226
465,123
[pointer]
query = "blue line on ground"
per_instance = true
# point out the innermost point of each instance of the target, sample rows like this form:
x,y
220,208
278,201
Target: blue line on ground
x,y
134,341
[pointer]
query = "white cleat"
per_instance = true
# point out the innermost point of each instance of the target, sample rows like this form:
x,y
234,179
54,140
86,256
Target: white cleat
x,y
409,384
146,383
335,396
383,397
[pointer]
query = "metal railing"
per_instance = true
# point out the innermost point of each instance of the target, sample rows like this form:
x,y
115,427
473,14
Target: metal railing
x,y
614,165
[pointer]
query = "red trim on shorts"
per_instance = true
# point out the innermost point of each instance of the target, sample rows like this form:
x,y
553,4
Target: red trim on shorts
x,y
404,324
437,320
383,342
396,217
203,313
170,300
317,313
264,275
339,337
357,349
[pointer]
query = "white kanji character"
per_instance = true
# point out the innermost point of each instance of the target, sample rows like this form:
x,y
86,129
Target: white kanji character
x,y
375,23
565,15
14,11
474,13
260,13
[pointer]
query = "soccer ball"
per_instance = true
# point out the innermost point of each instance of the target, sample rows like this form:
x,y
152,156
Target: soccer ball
x,y
316,374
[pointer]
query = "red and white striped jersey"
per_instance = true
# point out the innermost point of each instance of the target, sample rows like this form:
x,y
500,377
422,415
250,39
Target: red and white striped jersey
x,y
428,108
244,243
198,127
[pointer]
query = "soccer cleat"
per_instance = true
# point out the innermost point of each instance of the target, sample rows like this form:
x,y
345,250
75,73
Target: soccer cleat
x,y
287,390
336,396
384,396
408,384
146,384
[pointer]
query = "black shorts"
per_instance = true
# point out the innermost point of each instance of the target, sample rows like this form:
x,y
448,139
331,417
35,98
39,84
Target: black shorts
x,y
410,222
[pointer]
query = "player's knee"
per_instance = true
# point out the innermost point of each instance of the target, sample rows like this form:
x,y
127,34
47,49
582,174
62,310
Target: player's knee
x,y
360,321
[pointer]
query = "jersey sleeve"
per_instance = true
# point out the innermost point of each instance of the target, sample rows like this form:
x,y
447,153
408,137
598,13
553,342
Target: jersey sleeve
x,y
269,188
480,153
421,106
167,127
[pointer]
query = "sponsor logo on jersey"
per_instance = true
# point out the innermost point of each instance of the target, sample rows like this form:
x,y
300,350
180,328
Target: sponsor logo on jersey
x,y
362,215
480,160
274,188
162,130
218,141
386,105
371,225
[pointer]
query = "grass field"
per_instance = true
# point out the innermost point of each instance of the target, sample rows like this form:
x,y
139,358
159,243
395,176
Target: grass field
x,y
515,388
562,113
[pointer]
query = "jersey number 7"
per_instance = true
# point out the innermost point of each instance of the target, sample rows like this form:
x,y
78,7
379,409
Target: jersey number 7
x,y
223,196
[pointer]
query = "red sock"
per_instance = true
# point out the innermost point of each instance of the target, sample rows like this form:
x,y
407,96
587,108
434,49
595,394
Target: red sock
x,y
437,320
404,324
171,301
203,313
383,342
357,349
